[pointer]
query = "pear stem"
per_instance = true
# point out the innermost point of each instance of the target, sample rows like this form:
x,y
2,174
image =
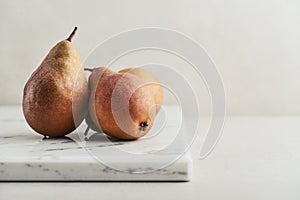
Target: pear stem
x,y
88,69
72,34
86,130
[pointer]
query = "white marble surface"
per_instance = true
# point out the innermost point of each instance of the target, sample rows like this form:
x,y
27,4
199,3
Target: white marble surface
x,y
26,155
257,158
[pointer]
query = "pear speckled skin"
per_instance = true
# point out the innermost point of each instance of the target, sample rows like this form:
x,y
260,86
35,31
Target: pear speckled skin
x,y
151,82
56,95
108,109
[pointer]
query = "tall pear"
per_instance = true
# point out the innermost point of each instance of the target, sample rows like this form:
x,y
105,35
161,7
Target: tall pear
x,y
56,95
119,104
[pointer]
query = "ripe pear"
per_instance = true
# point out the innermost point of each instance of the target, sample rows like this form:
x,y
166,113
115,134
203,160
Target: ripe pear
x,y
118,105
56,95
151,82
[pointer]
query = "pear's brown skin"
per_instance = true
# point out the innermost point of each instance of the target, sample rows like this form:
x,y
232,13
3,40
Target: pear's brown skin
x,y
56,95
107,108
151,82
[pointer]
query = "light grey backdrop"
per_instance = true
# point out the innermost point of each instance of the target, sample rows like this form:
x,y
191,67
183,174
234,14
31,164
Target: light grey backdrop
x,y
255,44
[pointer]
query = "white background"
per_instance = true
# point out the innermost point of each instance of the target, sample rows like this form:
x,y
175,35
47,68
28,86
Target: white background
x,y
255,44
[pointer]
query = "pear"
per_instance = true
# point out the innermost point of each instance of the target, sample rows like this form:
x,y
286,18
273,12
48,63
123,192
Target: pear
x,y
91,125
56,95
151,82
118,105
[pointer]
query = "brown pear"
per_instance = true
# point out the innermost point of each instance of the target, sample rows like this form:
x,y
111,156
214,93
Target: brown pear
x,y
118,105
56,95
151,82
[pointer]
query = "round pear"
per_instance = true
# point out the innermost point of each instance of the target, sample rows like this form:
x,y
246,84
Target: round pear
x,y
119,105
151,82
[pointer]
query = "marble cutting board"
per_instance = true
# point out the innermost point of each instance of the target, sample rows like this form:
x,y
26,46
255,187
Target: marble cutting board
x,y
27,156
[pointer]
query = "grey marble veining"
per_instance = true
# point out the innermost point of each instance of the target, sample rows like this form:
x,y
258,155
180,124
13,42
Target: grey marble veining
x,y
26,155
